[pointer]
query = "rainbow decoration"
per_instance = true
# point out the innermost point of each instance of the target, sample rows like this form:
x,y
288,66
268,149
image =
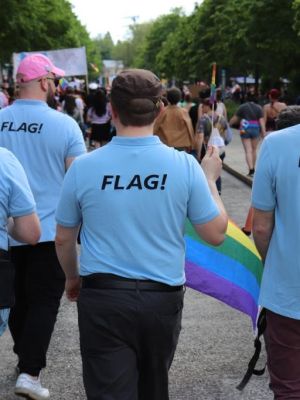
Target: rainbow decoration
x,y
213,83
63,83
230,272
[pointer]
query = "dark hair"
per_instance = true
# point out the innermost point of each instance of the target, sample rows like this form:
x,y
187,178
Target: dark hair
x,y
207,102
188,97
138,112
165,101
136,97
173,95
70,104
99,102
289,116
203,94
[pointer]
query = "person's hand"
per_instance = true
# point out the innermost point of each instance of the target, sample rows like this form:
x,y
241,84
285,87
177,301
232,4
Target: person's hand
x,y
72,288
212,164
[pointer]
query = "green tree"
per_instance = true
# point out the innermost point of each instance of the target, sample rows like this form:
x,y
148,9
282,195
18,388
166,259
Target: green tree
x,y
30,25
161,28
105,46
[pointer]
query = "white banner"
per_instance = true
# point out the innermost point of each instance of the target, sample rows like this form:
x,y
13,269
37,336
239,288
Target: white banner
x,y
72,61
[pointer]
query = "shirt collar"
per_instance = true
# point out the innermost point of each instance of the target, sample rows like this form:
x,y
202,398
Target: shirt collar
x,y
30,102
136,141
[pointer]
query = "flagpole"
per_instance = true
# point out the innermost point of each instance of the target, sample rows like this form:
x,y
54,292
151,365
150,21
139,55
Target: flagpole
x,y
213,92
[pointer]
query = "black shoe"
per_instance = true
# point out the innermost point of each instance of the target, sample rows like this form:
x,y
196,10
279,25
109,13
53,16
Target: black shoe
x,y
251,172
247,233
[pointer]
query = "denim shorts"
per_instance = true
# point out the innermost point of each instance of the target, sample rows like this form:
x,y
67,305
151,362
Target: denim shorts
x,y
250,133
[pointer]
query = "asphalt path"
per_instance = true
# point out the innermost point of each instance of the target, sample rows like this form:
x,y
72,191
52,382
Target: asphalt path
x,y
215,344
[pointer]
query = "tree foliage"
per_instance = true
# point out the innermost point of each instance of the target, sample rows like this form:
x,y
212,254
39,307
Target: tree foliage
x,y
259,37
160,29
30,25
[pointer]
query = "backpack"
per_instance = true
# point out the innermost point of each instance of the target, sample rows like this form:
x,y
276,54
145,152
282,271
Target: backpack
x,y
250,126
261,327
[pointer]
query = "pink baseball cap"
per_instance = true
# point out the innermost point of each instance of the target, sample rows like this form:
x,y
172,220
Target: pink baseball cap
x,y
35,66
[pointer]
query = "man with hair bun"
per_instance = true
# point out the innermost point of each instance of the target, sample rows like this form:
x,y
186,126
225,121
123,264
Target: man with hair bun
x,y
132,197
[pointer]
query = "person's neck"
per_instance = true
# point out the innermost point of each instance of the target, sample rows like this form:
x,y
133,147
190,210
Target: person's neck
x,y
135,131
29,95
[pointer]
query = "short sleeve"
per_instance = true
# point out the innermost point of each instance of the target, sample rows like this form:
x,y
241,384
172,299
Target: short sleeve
x,y
263,190
21,201
68,211
201,205
240,112
75,144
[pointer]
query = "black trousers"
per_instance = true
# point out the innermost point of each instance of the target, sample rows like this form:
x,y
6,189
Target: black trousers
x,y
39,285
128,339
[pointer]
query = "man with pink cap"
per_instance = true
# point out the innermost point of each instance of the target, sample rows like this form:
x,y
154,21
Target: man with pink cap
x,y
45,142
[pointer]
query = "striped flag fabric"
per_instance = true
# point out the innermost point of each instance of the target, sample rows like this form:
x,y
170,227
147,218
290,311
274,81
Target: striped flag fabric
x,y
231,272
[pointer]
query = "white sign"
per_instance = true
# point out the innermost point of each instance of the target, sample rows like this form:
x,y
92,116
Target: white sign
x,y
72,61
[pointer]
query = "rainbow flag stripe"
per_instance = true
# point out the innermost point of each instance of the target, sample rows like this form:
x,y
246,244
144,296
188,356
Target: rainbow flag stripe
x,y
230,272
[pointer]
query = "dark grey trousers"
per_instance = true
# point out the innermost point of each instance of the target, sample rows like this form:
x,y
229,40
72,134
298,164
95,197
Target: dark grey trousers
x,y
128,339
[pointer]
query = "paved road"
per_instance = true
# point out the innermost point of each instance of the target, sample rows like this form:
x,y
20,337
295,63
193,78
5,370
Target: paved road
x,y
214,348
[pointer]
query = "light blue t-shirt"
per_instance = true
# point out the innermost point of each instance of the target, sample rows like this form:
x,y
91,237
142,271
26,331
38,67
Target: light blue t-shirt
x,y
16,199
277,187
133,196
42,139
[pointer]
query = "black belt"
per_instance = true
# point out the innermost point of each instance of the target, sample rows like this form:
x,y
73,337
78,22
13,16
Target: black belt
x,y
109,281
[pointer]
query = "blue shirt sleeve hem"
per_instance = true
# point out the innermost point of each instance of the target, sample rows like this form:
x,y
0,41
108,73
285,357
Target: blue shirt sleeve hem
x,y
67,224
24,212
208,218
263,207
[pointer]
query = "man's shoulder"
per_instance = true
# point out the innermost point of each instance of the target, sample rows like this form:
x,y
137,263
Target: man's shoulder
x,y
58,117
176,110
243,107
256,106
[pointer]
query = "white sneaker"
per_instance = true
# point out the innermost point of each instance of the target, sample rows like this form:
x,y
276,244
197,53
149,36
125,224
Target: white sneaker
x,y
32,388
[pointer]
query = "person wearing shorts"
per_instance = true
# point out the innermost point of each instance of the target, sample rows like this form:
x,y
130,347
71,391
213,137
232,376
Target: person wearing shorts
x,y
249,118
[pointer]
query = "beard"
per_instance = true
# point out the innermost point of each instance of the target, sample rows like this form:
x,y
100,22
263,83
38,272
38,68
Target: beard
x,y
51,101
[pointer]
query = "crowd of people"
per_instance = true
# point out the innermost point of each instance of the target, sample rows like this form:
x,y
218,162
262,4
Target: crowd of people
x,y
127,202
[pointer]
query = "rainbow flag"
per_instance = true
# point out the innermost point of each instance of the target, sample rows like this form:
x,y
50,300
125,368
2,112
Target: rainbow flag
x,y
63,83
230,272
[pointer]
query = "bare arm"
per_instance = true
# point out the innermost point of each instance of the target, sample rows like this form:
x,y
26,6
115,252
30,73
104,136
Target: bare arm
x,y
234,121
68,162
265,111
262,127
213,232
65,244
25,229
200,112
199,137
263,224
